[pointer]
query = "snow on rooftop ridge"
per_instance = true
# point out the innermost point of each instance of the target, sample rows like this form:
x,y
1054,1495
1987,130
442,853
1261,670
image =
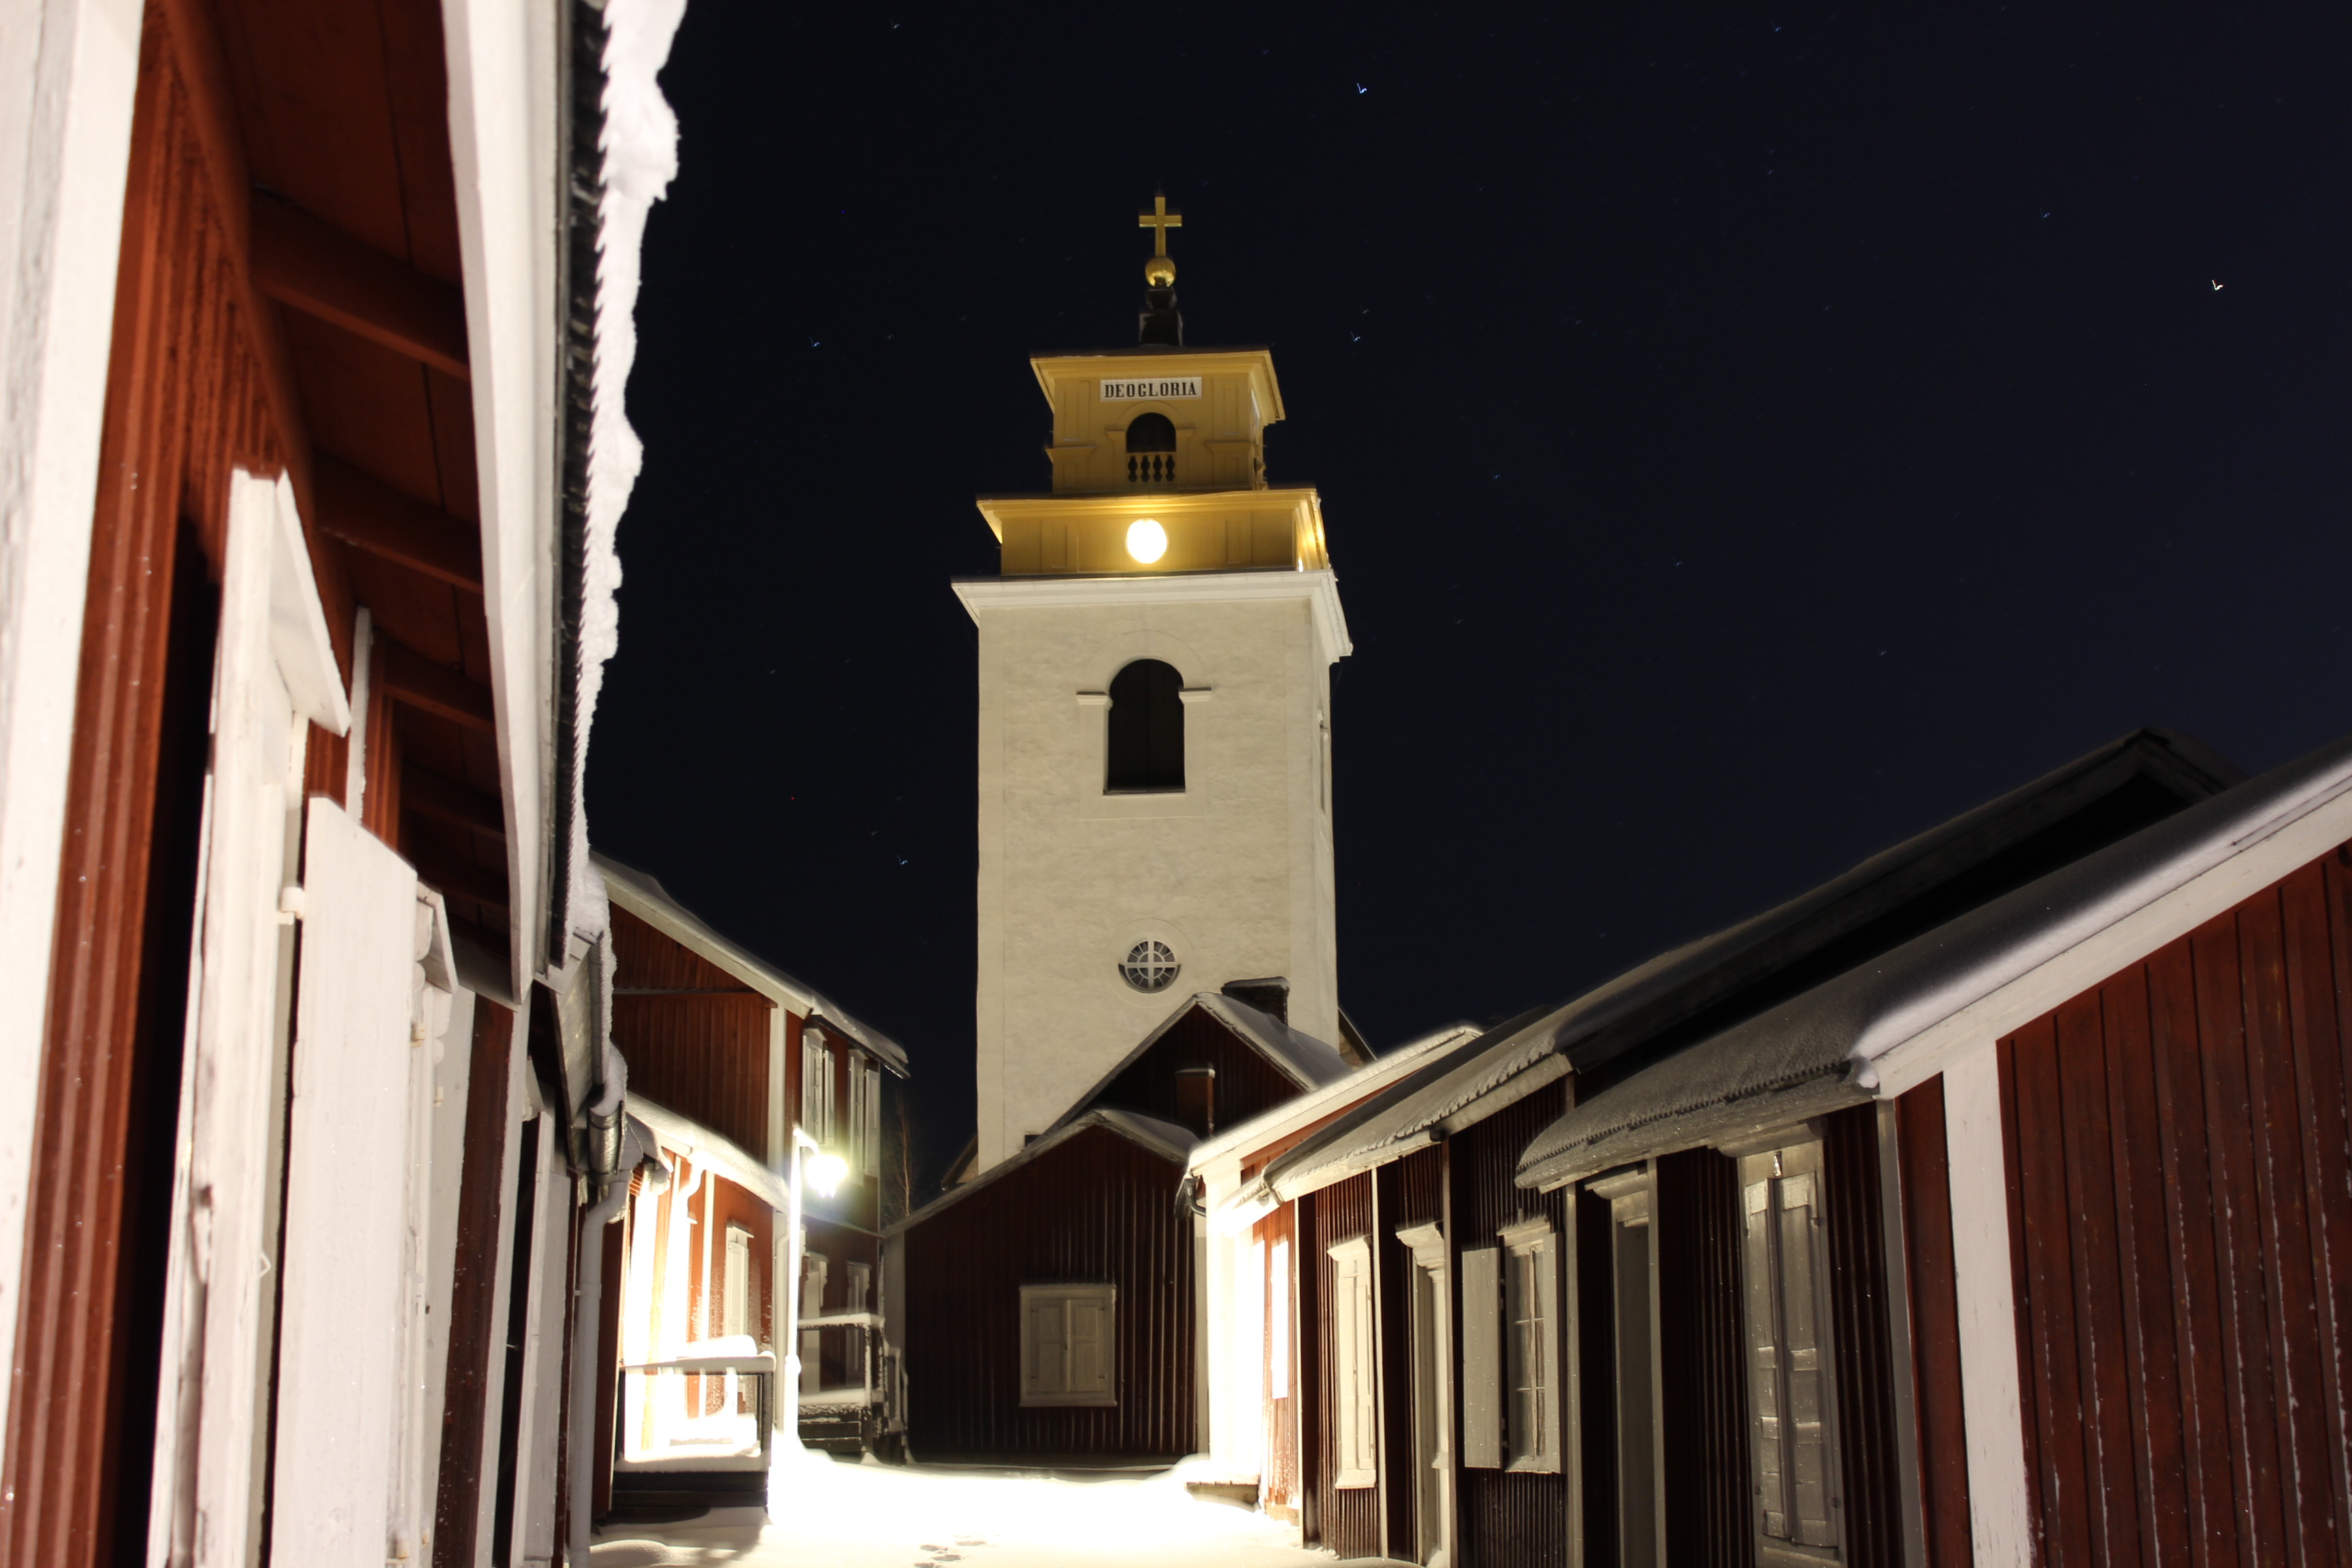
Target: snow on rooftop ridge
x,y
640,160
1308,1059
1880,1027
1370,1078
643,895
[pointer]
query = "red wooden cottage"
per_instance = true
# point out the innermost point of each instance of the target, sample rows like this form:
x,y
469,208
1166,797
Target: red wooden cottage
x,y
2024,1242
726,1055
1049,1307
312,430
1492,1371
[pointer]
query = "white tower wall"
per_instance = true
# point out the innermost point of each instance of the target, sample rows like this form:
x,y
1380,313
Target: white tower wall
x,y
1234,873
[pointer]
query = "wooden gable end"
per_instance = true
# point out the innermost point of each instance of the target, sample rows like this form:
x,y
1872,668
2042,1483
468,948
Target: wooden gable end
x,y
697,1038
1246,1083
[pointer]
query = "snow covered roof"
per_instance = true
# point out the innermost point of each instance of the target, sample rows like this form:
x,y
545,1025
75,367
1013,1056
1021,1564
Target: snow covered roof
x,y
1165,1138
1884,1025
684,1135
1373,1076
642,894
1302,1059
2157,769
1401,1119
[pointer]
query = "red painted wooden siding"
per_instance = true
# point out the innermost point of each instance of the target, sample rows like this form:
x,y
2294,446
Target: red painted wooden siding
x,y
1935,1327
704,1057
2179,1153
1349,1518
1505,1520
186,402
1095,1209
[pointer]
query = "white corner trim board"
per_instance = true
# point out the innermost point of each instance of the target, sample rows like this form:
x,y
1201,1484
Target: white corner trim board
x,y
69,73
1999,1515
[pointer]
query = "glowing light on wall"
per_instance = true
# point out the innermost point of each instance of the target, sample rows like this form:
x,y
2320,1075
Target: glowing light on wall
x,y
825,1172
1145,541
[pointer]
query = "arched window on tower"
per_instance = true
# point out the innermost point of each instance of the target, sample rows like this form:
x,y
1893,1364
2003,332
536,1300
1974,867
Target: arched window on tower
x,y
1147,729
1151,450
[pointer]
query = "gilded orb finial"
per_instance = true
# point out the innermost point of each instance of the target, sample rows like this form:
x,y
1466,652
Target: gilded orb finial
x,y
1159,272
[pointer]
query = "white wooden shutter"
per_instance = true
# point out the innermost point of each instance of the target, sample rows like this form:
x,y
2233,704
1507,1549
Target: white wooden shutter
x,y
853,1125
1482,1358
1044,1346
1765,1419
345,1198
1088,1330
873,1076
736,1307
816,1088
1354,1388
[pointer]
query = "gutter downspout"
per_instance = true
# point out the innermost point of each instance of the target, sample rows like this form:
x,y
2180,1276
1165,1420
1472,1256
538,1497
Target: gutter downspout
x,y
614,1149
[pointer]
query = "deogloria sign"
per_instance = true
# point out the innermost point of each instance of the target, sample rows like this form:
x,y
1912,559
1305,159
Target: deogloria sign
x,y
1159,388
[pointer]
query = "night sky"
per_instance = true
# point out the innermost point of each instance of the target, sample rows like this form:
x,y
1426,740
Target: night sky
x,y
1743,443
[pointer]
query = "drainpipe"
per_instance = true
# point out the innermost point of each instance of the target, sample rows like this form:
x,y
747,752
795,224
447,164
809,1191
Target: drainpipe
x,y
614,1148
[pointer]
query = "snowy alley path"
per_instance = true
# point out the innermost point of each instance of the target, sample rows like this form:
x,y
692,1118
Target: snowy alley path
x,y
828,1515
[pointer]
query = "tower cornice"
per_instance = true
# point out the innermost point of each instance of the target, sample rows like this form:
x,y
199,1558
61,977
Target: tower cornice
x,y
1319,588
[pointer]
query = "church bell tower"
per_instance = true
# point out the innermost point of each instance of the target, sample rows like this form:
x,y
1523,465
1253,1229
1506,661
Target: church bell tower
x,y
1155,757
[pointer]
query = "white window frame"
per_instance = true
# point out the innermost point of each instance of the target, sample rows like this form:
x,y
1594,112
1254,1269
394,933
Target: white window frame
x,y
1054,1379
1355,1365
735,1298
1532,1345
1772,1183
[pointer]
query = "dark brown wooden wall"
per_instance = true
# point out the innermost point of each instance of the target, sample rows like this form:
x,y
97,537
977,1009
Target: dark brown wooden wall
x,y
1505,1520
1869,1448
1934,1326
1701,1362
1247,1083
475,1337
2179,1149
1095,1209
1410,1191
1349,1517
1592,1272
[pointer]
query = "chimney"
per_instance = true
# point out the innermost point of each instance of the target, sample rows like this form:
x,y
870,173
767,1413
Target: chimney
x,y
1196,1099
1271,995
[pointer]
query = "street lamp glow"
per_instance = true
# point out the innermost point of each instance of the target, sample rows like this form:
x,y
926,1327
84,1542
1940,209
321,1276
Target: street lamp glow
x,y
1145,541
825,1172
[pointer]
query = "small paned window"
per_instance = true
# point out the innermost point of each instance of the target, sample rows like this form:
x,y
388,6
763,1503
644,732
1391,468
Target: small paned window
x,y
1146,744
1531,1318
1149,967
1785,1296
1066,1337
1355,1352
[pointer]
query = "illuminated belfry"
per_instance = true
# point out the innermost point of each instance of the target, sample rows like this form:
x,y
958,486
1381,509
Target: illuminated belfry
x,y
1155,655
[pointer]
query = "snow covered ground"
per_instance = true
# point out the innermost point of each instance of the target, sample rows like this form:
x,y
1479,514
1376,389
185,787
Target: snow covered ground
x,y
827,1515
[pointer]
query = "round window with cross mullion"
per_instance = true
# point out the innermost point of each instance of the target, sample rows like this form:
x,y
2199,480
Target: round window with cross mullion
x,y
1149,965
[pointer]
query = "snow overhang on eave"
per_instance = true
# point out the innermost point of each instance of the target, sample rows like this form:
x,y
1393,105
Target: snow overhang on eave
x,y
1881,1028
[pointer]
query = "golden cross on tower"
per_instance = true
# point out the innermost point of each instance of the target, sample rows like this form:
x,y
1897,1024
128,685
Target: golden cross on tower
x,y
1159,220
